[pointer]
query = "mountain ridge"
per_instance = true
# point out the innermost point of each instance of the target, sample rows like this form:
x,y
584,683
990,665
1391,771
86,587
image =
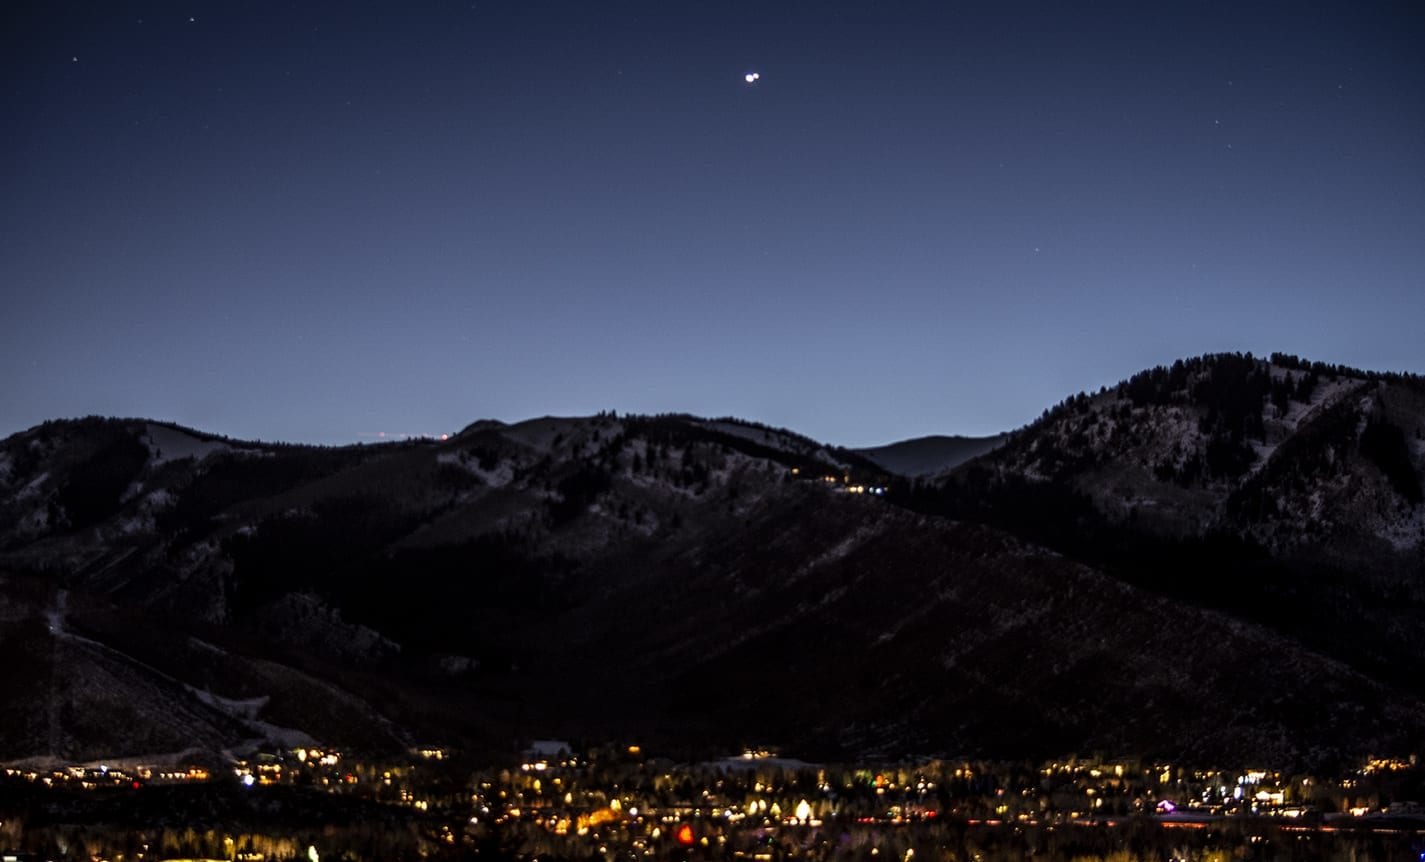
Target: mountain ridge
x,y
612,575
932,454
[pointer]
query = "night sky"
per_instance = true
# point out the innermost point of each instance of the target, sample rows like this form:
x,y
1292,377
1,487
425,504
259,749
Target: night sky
x,y
321,221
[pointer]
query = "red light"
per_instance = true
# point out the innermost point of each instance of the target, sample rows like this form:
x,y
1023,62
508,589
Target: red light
x,y
685,835
136,785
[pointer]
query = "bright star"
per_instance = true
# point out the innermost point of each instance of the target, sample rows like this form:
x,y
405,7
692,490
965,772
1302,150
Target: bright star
x,y
752,77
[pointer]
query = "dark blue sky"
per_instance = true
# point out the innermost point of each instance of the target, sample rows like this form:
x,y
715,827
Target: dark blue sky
x,y
312,221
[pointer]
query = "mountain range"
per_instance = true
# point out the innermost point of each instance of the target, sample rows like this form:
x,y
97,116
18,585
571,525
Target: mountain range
x,y
1222,560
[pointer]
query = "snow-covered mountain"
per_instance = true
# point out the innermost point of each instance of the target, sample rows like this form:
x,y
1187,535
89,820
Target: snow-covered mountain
x,y
1302,458
715,582
1283,492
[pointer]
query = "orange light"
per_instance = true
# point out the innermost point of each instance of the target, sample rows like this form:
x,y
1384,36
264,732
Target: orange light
x,y
685,835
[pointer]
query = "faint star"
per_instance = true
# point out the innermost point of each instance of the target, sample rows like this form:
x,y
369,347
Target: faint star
x,y
74,59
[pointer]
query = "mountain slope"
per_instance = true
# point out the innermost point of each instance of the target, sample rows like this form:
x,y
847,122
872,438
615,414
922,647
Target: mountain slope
x,y
704,583
1296,456
1282,492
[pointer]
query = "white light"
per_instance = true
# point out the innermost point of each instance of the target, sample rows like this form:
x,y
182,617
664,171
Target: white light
x,y
752,77
248,780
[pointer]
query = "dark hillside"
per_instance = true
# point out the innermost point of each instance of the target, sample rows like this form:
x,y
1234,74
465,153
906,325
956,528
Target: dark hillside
x,y
1216,561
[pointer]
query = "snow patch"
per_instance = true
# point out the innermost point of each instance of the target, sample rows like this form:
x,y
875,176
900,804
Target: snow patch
x,y
134,525
169,444
204,645
32,488
283,737
734,463
1262,452
499,477
243,708
841,548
